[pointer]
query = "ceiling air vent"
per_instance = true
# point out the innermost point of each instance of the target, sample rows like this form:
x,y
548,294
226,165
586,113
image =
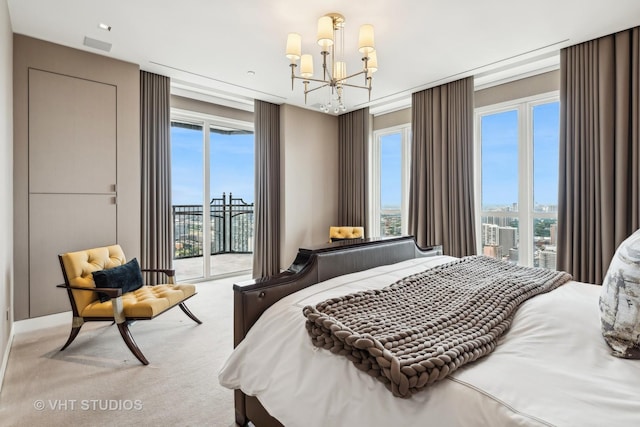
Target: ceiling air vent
x,y
97,44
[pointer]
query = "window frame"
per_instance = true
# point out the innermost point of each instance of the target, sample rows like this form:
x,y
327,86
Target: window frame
x,y
526,214
375,174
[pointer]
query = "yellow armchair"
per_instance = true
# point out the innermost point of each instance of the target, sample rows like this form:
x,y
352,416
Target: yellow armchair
x,y
345,232
92,304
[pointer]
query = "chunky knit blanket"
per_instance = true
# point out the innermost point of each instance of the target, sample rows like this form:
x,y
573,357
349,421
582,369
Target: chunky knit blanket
x,y
425,326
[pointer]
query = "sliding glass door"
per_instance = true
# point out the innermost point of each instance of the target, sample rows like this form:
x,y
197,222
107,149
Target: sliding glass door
x,y
212,192
231,199
187,186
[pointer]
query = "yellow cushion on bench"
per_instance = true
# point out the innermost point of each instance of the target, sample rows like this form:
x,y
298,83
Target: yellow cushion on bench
x,y
146,302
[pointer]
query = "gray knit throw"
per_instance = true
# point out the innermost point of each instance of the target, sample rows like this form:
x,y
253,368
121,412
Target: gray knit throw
x,y
423,327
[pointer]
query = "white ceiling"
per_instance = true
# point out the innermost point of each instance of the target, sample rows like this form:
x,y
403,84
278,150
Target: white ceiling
x,y
208,46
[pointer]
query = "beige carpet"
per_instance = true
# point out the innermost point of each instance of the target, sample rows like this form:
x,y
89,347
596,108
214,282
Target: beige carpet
x,y
96,381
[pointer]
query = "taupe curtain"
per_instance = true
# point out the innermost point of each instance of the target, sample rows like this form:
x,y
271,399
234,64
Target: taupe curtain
x,y
599,188
353,141
266,252
441,209
156,222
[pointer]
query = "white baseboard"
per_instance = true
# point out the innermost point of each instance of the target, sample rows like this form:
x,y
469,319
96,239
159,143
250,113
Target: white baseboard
x,y
5,357
37,323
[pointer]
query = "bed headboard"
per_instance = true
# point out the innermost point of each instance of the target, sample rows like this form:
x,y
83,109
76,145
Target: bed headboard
x,y
316,264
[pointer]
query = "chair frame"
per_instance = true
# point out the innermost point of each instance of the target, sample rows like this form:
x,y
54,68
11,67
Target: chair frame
x,y
115,295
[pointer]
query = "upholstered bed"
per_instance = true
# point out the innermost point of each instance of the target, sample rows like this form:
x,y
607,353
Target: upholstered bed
x,y
552,367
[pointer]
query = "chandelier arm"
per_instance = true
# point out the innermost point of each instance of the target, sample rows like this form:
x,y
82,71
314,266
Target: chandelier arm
x,y
309,79
356,86
366,72
348,77
293,74
316,88
327,72
324,54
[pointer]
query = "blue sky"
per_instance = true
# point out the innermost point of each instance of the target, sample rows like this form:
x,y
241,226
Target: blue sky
x,y
546,155
391,170
500,156
232,162
231,166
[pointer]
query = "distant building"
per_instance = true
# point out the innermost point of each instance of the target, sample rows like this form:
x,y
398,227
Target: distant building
x,y
501,221
490,235
507,238
513,255
553,229
493,251
548,258
390,222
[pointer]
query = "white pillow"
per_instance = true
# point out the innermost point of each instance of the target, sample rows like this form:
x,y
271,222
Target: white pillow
x,y
620,300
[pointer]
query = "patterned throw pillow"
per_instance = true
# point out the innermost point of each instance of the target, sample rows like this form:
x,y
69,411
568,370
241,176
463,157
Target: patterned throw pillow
x,y
620,300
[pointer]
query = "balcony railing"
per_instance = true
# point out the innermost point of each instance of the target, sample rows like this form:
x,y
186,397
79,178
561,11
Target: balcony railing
x,y
231,222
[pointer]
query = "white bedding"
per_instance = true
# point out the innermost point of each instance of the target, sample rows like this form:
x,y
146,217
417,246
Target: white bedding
x,y
551,368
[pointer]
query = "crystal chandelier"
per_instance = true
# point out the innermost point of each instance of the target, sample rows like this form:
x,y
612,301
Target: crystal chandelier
x,y
334,69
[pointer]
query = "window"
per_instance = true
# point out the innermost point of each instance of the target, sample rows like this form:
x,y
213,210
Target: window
x,y
212,189
390,181
517,180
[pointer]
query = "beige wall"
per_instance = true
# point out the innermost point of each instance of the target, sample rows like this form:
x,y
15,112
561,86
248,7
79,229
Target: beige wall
x,y
207,108
308,179
32,53
534,85
392,119
6,184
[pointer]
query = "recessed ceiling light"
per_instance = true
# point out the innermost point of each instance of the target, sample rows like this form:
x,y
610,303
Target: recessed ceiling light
x,y
251,73
104,27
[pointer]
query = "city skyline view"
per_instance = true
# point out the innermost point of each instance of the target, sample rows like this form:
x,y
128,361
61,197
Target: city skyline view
x,y
501,162
227,223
